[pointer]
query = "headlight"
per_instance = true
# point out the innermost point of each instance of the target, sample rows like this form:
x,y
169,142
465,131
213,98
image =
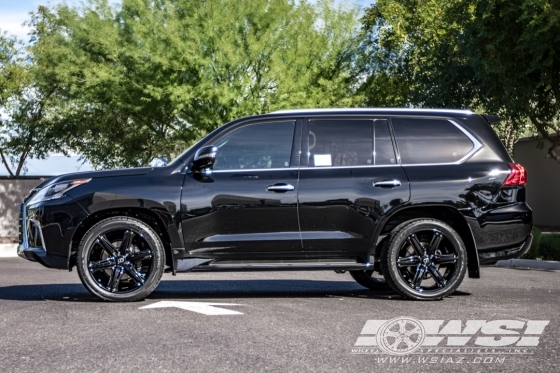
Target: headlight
x,y
56,191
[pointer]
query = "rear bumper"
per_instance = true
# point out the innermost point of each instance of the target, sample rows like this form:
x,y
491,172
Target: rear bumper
x,y
488,257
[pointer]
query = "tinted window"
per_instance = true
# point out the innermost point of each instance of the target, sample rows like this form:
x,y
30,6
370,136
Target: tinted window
x,y
383,152
340,143
266,145
429,141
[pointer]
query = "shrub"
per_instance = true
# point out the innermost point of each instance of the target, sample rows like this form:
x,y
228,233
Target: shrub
x,y
544,246
549,247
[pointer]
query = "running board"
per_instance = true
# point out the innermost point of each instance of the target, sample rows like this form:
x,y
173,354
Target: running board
x,y
321,266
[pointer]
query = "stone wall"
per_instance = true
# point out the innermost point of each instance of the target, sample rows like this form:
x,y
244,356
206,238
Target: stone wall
x,y
543,182
12,192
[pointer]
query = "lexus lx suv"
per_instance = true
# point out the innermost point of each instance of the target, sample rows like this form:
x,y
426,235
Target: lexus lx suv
x,y
409,199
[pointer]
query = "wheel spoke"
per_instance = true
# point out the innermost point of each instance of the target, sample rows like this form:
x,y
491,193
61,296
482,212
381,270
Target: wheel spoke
x,y
395,343
107,246
436,240
408,342
145,254
126,242
113,284
390,333
437,275
418,276
101,264
134,274
408,261
416,330
402,326
445,258
416,244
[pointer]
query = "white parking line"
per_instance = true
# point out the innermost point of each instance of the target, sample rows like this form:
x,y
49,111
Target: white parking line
x,y
200,307
8,250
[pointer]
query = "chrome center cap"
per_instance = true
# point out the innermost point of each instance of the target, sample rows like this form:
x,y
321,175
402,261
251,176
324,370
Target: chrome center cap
x,y
120,260
426,260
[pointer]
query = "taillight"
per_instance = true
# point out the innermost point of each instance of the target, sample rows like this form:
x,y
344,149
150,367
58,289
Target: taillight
x,y
517,176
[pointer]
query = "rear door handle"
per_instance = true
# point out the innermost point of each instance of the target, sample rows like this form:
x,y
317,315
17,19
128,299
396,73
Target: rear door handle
x,y
280,188
387,183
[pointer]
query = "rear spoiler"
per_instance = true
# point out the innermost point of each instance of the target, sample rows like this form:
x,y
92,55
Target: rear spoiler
x,y
492,119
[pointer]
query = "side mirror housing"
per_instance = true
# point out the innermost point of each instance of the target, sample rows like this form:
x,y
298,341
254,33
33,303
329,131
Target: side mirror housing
x,y
204,158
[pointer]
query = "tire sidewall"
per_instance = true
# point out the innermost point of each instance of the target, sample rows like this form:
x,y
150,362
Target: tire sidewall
x,y
367,281
139,227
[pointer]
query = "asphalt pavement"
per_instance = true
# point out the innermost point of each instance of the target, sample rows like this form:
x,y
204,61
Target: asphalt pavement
x,y
276,322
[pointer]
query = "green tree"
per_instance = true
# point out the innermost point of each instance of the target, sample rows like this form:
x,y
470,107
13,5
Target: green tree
x,y
513,49
26,129
496,56
149,77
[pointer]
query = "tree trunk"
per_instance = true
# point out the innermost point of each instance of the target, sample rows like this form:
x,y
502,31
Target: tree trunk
x,y
5,162
554,148
510,135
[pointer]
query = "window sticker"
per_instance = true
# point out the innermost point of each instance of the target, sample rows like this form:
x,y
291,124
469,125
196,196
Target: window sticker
x,y
322,160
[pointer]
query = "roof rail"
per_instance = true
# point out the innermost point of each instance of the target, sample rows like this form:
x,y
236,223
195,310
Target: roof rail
x,y
350,110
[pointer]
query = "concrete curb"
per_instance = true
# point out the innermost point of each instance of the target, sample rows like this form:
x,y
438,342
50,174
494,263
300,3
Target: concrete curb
x,y
529,263
8,250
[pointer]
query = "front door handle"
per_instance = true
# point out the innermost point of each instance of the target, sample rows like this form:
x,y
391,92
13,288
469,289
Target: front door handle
x,y
280,188
387,183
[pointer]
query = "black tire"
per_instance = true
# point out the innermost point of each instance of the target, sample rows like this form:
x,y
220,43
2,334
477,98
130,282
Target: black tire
x,y
120,259
413,259
368,280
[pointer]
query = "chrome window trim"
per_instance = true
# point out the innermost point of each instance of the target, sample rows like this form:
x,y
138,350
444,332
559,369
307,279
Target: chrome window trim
x,y
210,172
301,168
477,145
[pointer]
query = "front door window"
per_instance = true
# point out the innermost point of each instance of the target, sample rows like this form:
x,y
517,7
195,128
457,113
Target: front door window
x,y
257,146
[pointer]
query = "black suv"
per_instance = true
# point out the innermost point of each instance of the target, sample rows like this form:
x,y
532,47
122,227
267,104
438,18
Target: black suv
x,y
411,199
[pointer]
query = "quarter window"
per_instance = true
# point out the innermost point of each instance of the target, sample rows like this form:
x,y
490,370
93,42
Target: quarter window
x,y
264,145
423,140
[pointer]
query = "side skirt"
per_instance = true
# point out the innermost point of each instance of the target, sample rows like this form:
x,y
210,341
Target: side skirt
x,y
209,265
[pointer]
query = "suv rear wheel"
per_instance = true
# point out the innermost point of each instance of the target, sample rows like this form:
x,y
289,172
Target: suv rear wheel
x,y
424,259
369,279
120,259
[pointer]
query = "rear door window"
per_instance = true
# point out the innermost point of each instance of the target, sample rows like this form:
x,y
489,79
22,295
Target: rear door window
x,y
340,142
427,140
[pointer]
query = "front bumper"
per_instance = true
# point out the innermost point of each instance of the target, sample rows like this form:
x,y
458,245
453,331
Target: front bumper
x,y
46,229
488,257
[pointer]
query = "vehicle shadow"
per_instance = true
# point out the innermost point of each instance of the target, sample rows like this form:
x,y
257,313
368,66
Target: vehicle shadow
x,y
210,289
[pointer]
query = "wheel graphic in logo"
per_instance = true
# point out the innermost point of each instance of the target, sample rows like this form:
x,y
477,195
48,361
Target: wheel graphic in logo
x,y
401,336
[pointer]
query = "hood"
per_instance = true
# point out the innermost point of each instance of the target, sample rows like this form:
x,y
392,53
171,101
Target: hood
x,y
96,174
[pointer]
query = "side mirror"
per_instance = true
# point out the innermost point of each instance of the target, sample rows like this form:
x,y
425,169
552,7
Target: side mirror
x,y
204,158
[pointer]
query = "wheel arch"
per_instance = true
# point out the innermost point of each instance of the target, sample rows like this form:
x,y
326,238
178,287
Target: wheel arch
x,y
445,213
153,219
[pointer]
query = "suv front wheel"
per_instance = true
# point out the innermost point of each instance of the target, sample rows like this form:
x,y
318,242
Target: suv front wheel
x,y
424,259
121,259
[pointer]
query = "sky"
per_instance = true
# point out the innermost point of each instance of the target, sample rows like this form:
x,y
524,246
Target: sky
x,y
13,13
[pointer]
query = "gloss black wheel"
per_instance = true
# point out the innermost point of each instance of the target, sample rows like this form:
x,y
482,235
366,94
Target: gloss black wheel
x,y
424,260
120,259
